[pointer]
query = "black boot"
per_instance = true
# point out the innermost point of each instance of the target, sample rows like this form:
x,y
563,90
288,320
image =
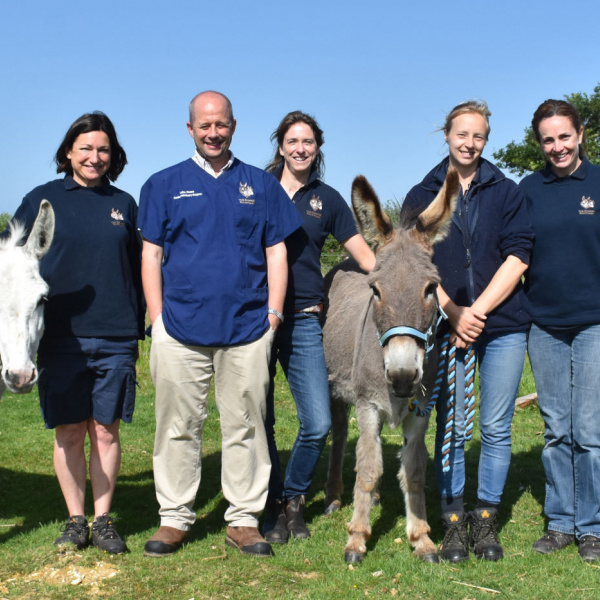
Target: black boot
x,y
455,547
275,526
294,511
483,537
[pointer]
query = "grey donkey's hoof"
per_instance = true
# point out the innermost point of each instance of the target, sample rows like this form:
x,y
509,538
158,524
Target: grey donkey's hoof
x,y
354,558
430,557
333,507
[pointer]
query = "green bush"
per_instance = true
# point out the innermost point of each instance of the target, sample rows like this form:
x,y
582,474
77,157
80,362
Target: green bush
x,y
4,219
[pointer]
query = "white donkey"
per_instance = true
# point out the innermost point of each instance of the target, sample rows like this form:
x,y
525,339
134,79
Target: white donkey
x,y
22,296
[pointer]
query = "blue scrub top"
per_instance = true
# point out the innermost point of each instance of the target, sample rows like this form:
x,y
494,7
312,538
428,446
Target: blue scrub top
x,y
214,232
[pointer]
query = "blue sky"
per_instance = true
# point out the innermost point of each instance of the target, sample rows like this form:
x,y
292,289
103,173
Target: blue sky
x,y
379,76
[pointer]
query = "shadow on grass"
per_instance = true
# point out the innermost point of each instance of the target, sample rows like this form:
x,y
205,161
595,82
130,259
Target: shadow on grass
x,y
32,500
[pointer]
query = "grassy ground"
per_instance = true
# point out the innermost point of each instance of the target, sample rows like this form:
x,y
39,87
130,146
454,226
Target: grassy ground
x,y
32,510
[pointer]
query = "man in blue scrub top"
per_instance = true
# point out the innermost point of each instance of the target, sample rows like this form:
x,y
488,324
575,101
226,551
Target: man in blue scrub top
x,y
214,270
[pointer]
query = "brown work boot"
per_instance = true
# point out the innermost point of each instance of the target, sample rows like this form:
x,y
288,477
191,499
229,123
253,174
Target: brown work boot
x,y
248,541
167,540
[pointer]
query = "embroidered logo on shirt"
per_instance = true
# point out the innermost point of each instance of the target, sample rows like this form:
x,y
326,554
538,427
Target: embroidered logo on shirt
x,y
588,206
116,214
315,203
246,191
187,194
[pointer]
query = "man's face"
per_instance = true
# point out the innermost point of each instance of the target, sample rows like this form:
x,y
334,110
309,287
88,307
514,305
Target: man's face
x,y
212,128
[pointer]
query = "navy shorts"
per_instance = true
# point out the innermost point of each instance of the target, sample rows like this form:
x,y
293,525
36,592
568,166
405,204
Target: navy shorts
x,y
83,378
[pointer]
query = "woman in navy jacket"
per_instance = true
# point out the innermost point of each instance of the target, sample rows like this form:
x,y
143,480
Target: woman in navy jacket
x,y
480,263
563,287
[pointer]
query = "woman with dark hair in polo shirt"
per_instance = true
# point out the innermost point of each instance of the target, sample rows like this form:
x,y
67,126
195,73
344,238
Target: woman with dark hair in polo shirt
x,y
93,320
563,287
298,164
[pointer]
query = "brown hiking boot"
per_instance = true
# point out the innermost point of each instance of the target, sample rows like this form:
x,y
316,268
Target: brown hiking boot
x,y
248,541
167,540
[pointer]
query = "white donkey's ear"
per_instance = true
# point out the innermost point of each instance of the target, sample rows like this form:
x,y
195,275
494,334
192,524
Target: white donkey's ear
x,y
42,232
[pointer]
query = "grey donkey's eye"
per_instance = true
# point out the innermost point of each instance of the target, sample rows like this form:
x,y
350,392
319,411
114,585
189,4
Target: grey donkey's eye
x,y
430,290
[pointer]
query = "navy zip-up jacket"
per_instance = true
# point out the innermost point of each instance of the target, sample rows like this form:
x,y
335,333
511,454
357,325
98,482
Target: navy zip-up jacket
x,y
490,223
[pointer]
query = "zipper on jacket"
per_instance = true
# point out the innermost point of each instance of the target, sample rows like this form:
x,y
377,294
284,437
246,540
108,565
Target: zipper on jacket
x,y
467,239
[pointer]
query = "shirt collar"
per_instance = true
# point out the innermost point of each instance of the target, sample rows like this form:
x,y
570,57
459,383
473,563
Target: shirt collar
x,y
580,172
278,170
206,166
71,184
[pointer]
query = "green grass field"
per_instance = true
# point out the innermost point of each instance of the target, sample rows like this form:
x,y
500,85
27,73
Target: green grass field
x,y
32,510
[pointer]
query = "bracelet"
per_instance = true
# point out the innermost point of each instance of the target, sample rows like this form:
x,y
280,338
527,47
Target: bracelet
x,y
273,311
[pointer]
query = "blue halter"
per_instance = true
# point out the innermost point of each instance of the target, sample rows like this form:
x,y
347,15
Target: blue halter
x,y
428,336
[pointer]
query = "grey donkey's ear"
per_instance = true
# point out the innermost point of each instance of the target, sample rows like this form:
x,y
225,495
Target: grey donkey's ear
x,y
374,224
433,223
42,232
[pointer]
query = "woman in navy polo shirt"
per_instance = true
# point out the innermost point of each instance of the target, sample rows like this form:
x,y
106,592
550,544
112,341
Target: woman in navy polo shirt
x,y
563,287
93,320
298,164
480,264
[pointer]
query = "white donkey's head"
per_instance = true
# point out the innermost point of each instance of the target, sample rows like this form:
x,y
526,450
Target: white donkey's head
x,y
22,295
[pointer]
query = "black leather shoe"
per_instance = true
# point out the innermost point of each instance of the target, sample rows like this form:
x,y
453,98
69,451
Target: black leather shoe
x,y
589,548
455,546
294,512
275,526
552,541
483,537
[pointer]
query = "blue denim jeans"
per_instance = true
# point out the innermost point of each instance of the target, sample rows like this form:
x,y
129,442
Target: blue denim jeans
x,y
298,346
566,367
500,359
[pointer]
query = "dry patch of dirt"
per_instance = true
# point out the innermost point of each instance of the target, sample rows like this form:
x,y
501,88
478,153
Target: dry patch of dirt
x,y
70,574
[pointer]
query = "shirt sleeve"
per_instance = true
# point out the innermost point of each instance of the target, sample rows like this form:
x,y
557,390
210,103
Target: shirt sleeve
x,y
516,237
343,223
25,215
152,216
282,218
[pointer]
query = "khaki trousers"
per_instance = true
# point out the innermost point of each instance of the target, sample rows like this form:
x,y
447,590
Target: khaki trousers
x,y
181,376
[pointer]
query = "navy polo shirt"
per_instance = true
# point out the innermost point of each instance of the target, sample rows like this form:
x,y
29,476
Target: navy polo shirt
x,y
214,232
93,265
324,211
563,279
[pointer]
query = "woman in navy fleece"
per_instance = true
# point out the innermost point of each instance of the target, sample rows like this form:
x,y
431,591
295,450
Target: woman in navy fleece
x,y
563,288
480,263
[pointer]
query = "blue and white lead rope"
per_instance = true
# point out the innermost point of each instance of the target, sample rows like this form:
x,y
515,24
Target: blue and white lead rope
x,y
447,365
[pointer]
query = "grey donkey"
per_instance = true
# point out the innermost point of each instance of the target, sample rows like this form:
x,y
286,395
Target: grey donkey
x,y
379,339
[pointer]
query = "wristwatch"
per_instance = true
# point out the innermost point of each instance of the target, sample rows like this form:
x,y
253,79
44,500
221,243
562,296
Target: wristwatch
x,y
273,311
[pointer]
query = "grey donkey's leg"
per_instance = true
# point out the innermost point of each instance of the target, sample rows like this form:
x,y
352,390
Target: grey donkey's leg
x,y
412,480
339,434
369,468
